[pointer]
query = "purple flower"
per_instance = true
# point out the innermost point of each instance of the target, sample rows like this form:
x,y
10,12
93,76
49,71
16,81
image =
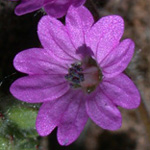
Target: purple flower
x,y
55,8
77,74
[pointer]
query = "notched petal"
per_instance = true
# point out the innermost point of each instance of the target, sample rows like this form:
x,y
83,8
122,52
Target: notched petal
x,y
118,59
78,22
38,61
122,91
105,35
39,88
102,111
73,120
28,6
54,37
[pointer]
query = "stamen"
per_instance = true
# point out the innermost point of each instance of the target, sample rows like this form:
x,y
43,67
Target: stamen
x,y
75,75
85,75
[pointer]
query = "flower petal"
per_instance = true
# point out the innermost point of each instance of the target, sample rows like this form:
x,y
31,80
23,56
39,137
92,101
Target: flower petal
x,y
55,113
38,61
78,22
105,35
27,6
50,114
58,8
118,59
78,3
73,120
122,91
102,111
39,88
53,36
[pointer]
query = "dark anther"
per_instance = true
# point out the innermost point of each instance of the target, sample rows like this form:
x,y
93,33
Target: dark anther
x,y
68,77
76,80
81,77
75,75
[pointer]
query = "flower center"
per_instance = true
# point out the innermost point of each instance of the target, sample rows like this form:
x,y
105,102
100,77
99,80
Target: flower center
x,y
84,74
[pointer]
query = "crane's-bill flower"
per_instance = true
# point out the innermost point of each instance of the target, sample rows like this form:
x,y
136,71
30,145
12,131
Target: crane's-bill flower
x,y
55,8
77,74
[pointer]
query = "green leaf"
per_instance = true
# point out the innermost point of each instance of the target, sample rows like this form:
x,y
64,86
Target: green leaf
x,y
23,117
4,144
27,144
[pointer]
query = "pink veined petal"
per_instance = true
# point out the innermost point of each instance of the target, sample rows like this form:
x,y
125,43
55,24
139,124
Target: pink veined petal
x,y
27,6
73,120
51,112
122,91
78,22
53,36
78,3
57,8
102,111
39,88
48,1
118,59
105,35
38,61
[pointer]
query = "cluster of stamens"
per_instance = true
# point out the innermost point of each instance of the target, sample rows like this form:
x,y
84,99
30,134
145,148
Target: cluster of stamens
x,y
75,75
85,75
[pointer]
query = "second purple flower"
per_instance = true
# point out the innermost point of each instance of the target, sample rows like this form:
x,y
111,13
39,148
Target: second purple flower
x,y
55,8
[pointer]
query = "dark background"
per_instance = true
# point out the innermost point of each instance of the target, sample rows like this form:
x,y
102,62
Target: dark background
x,y
19,33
